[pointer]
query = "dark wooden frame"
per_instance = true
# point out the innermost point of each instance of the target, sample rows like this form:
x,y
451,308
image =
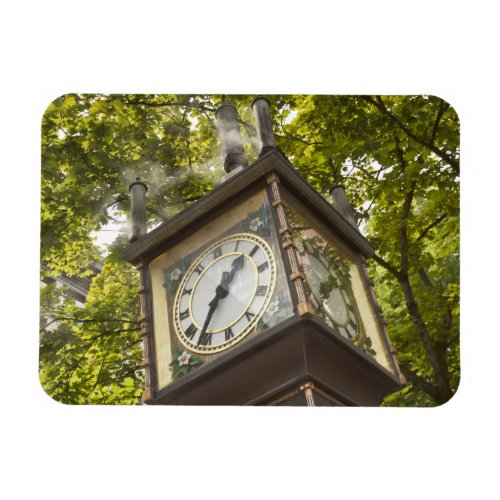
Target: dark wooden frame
x,y
297,351
362,381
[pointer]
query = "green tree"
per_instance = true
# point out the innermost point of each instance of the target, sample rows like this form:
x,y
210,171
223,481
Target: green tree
x,y
398,158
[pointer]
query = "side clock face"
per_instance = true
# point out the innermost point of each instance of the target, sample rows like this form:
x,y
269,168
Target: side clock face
x,y
224,293
331,293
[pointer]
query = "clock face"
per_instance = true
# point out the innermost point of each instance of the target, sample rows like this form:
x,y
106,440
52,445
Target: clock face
x,y
224,293
331,292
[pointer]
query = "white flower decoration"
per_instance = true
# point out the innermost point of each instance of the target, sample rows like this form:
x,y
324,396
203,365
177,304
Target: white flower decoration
x,y
255,223
174,275
273,308
183,359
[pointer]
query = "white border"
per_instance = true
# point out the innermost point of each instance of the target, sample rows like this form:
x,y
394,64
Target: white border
x,y
444,48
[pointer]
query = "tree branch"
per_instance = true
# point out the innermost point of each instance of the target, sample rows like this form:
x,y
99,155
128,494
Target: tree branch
x,y
430,226
78,320
379,104
186,104
76,365
442,108
421,383
99,374
387,266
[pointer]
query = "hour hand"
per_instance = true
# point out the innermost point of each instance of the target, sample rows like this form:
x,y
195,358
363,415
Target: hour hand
x,y
237,263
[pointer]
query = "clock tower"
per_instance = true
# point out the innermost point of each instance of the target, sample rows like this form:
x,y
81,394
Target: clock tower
x,y
257,294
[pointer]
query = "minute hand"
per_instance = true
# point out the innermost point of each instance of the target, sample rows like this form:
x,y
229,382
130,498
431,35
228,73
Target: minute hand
x,y
221,292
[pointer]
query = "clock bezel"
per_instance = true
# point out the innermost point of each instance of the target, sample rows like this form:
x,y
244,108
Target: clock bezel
x,y
238,337
347,297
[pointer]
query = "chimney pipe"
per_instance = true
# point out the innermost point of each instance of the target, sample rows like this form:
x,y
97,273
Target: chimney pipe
x,y
337,192
138,225
260,107
230,137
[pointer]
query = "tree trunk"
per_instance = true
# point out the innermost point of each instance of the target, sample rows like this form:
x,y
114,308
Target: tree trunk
x,y
436,363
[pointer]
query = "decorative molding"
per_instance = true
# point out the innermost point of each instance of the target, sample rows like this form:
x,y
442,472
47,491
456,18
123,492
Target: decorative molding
x,y
272,177
144,363
309,389
144,334
144,329
272,166
284,397
327,396
288,242
297,277
304,308
146,395
308,392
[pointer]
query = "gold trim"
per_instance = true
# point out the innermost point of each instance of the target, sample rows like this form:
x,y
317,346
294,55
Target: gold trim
x,y
179,331
304,308
141,289
326,395
284,397
297,275
142,317
308,391
272,177
146,395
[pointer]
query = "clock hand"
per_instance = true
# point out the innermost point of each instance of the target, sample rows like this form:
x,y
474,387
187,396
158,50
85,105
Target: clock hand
x,y
237,264
221,292
222,289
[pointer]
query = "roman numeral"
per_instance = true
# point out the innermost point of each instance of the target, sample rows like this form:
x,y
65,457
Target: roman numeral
x,y
237,245
261,290
205,339
314,301
217,252
249,315
348,333
254,249
191,330
263,266
186,291
229,333
336,329
184,314
199,269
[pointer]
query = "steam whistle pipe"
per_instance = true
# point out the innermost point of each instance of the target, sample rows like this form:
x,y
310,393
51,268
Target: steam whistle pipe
x,y
138,225
337,192
265,132
230,137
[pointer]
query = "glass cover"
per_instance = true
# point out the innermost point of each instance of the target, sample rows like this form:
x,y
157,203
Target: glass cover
x,y
334,284
239,251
